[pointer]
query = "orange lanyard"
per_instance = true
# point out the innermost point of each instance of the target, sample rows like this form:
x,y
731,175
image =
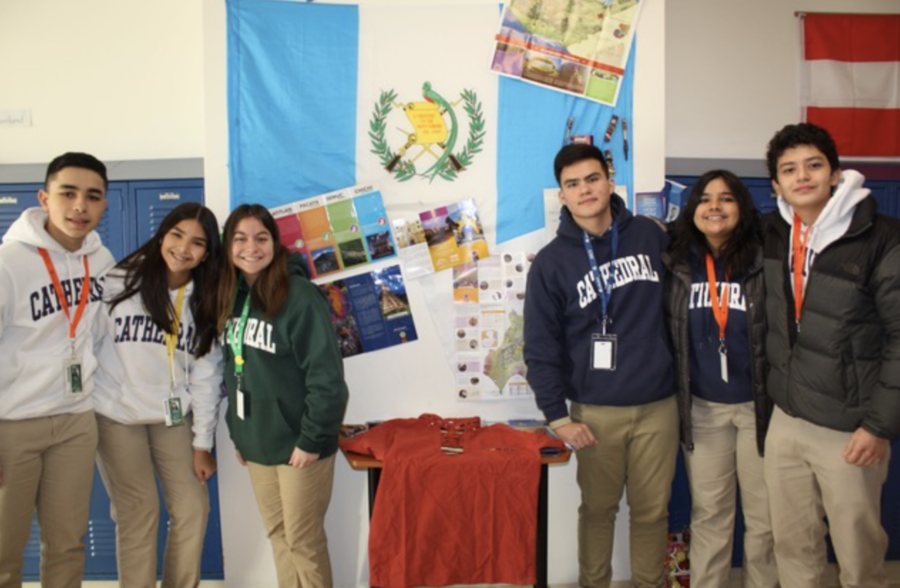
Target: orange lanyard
x,y
719,307
799,249
85,287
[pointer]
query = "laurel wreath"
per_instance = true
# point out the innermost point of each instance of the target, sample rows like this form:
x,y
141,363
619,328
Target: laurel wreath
x,y
472,107
405,169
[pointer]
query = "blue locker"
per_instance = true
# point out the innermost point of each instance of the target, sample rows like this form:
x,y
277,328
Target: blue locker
x,y
152,201
14,198
134,212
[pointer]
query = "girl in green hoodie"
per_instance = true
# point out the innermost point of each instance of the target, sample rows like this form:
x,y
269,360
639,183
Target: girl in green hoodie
x,y
286,390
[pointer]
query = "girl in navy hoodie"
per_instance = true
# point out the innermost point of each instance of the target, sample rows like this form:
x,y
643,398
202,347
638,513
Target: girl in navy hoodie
x,y
716,317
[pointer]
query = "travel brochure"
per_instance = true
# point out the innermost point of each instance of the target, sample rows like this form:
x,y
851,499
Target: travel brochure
x,y
488,333
578,48
441,238
337,231
370,311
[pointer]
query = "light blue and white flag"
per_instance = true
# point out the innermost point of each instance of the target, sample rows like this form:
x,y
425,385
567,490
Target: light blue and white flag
x,y
325,96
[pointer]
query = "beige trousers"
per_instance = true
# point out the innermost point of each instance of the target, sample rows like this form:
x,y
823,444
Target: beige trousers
x,y
48,464
130,459
808,479
293,502
637,450
725,457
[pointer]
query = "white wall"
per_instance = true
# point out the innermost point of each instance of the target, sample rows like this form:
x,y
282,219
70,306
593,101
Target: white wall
x,y
732,72
122,79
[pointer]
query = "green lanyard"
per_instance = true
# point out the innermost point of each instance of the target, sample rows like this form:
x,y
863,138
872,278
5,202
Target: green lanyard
x,y
237,341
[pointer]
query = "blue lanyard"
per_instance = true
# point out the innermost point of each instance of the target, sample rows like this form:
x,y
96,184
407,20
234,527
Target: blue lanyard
x,y
605,290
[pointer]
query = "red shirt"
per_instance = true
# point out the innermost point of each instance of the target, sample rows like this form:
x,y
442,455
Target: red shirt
x,y
452,518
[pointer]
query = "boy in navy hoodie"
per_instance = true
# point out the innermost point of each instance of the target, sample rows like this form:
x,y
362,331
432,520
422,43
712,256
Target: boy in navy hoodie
x,y
51,268
595,337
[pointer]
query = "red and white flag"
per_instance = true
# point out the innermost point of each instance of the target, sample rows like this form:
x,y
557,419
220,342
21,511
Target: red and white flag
x,y
850,80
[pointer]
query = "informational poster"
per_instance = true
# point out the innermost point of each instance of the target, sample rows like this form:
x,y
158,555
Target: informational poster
x,y
337,231
489,297
370,311
413,248
454,235
578,48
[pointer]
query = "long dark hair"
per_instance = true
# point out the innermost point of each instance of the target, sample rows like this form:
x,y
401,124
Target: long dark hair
x,y
270,289
739,252
146,274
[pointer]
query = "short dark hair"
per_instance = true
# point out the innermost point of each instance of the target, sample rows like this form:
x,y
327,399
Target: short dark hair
x,y
574,153
801,134
74,159
739,252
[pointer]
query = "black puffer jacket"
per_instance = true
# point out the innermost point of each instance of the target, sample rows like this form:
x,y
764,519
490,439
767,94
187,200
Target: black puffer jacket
x,y
842,370
678,287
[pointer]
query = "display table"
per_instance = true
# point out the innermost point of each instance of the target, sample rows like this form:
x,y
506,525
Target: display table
x,y
373,469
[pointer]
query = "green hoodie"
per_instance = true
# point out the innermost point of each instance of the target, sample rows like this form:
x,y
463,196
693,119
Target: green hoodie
x,y
293,380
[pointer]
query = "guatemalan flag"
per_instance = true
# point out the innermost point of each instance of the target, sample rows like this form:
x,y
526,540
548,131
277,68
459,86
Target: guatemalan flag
x,y
326,96
850,80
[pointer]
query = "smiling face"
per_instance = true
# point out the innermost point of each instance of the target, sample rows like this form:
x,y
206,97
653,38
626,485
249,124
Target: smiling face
x,y
586,190
74,200
805,179
717,213
183,248
252,248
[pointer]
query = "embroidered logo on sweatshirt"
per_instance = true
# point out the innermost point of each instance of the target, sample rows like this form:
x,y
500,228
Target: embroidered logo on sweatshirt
x,y
257,334
628,269
45,302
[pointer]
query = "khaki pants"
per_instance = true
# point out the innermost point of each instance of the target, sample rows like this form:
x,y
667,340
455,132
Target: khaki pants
x,y
293,502
131,456
637,449
725,456
808,479
48,464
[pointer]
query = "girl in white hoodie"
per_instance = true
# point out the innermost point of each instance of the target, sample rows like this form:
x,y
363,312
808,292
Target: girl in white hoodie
x,y
157,396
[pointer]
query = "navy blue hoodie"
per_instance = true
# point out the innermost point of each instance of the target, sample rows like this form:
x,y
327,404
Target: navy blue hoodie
x,y
563,310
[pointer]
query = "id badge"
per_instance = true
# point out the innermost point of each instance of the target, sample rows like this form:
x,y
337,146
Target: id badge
x,y
723,366
241,401
174,414
72,377
604,349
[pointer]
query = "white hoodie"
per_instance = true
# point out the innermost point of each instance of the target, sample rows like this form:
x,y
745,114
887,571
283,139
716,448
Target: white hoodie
x,y
34,330
133,379
833,221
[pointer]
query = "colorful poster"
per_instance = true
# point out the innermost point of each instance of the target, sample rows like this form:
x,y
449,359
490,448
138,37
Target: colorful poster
x,y
413,248
454,235
337,231
489,328
370,311
578,48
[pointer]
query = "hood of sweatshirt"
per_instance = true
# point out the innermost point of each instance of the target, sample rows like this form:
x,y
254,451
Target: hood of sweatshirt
x,y
297,266
31,229
835,218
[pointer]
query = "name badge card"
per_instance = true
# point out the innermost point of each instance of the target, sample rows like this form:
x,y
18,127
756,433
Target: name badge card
x,y
604,348
241,401
174,414
72,377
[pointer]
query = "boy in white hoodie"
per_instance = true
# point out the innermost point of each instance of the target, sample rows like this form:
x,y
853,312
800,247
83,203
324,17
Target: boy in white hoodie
x,y
832,271
52,265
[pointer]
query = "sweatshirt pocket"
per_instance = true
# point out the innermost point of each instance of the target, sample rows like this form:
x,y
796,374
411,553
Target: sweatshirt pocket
x,y
266,435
